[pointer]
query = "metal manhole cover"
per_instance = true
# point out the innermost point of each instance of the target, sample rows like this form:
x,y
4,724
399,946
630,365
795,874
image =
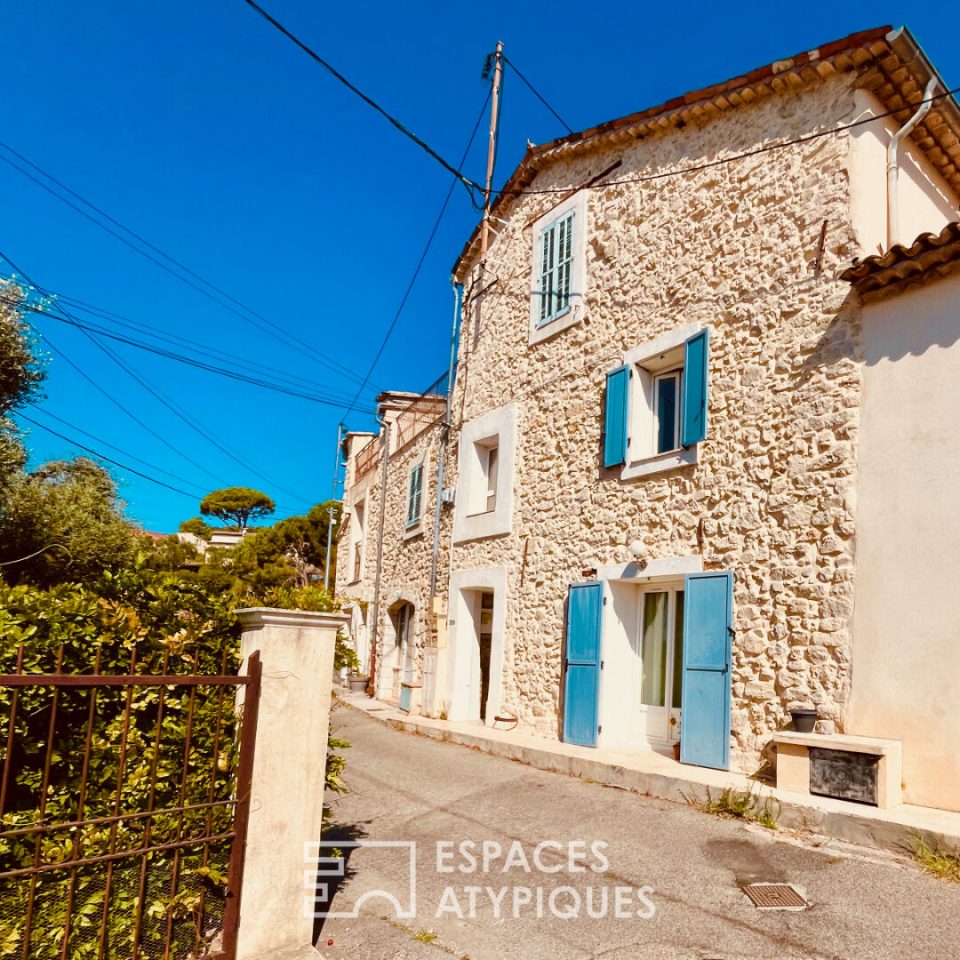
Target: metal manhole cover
x,y
774,896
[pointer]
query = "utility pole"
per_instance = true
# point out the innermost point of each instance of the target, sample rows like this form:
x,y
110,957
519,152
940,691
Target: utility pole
x,y
330,509
492,146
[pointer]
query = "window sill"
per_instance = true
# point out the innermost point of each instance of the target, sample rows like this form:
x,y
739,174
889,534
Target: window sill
x,y
662,463
539,333
413,531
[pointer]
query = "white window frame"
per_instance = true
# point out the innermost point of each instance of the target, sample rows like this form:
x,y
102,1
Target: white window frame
x,y
573,310
358,539
471,521
648,362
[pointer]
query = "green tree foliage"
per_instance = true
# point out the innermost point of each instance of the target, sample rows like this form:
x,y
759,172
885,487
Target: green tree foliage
x,y
198,527
237,506
289,551
139,622
63,522
20,377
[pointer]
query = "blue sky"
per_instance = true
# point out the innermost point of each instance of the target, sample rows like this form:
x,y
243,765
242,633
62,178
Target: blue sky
x,y
201,128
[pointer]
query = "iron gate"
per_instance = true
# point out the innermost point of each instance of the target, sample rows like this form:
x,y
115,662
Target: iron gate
x,y
124,801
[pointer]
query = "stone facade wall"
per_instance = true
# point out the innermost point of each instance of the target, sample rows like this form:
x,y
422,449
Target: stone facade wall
x,y
407,559
772,497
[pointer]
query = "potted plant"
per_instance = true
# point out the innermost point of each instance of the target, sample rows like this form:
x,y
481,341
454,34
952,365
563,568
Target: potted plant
x,y
804,719
358,682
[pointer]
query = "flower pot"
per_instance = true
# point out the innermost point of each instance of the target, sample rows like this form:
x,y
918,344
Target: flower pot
x,y
358,684
804,720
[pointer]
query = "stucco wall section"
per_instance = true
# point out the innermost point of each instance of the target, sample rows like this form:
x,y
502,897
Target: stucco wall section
x,y
906,653
732,247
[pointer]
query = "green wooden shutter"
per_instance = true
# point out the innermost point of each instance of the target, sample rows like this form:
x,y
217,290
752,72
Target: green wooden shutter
x,y
616,417
415,495
693,422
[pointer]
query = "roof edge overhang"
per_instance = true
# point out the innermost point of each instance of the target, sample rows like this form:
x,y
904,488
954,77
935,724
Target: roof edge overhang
x,y
893,66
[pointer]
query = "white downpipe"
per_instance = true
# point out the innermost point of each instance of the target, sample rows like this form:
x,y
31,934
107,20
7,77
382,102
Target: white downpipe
x,y
893,164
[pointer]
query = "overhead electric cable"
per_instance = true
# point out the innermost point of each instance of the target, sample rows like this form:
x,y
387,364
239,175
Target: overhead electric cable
x,y
184,417
246,313
535,92
120,406
101,456
420,262
112,446
746,154
471,185
212,353
179,358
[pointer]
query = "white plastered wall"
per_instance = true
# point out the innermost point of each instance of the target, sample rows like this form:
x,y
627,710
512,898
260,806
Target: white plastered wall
x,y
926,202
906,624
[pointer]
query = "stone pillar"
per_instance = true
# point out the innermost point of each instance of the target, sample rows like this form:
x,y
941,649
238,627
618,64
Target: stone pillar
x,y
286,809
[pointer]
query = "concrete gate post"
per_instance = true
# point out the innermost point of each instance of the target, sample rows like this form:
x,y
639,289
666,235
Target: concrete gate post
x,y
286,809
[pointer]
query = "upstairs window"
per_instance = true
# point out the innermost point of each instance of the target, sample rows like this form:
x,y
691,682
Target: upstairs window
x,y
415,496
656,404
558,268
556,263
484,498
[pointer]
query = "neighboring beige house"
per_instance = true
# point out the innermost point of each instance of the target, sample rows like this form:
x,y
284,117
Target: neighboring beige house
x,y
692,480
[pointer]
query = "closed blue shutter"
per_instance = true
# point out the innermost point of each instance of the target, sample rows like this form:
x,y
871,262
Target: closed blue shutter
x,y
581,687
707,635
615,418
693,427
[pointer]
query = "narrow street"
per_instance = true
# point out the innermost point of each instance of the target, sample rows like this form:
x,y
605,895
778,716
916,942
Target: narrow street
x,y
863,904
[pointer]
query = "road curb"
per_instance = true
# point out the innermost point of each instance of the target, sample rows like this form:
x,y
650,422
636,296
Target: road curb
x,y
822,817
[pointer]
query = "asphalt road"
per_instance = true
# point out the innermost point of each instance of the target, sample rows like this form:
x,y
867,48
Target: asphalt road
x,y
680,871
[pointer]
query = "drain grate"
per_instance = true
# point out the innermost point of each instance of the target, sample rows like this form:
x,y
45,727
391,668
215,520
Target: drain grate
x,y
774,896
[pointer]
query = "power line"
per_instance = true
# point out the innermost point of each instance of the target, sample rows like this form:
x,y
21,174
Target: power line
x,y
179,358
112,446
189,421
420,262
536,92
471,185
104,457
246,313
707,164
219,355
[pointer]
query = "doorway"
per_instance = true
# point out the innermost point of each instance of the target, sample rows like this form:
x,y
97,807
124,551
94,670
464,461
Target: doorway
x,y
401,618
484,625
659,647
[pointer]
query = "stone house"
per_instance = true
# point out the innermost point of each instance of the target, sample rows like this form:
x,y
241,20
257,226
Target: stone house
x,y
665,498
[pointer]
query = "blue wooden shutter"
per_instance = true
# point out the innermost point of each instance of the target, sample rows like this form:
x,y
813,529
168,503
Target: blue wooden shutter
x,y
616,417
693,425
707,634
581,689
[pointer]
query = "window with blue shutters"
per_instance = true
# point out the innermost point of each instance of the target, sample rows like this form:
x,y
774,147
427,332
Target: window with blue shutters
x,y
415,496
660,417
556,267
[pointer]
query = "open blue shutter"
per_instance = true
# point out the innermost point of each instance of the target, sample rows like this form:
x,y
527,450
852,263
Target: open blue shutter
x,y
581,682
693,426
707,635
615,418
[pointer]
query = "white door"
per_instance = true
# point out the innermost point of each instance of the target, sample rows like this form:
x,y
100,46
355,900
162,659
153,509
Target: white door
x,y
660,644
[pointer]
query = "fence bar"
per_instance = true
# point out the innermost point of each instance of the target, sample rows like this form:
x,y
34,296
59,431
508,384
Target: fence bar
x,y
182,796
8,756
44,785
81,801
116,680
121,770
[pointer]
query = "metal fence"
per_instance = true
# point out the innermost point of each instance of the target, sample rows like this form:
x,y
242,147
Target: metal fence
x,y
124,800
